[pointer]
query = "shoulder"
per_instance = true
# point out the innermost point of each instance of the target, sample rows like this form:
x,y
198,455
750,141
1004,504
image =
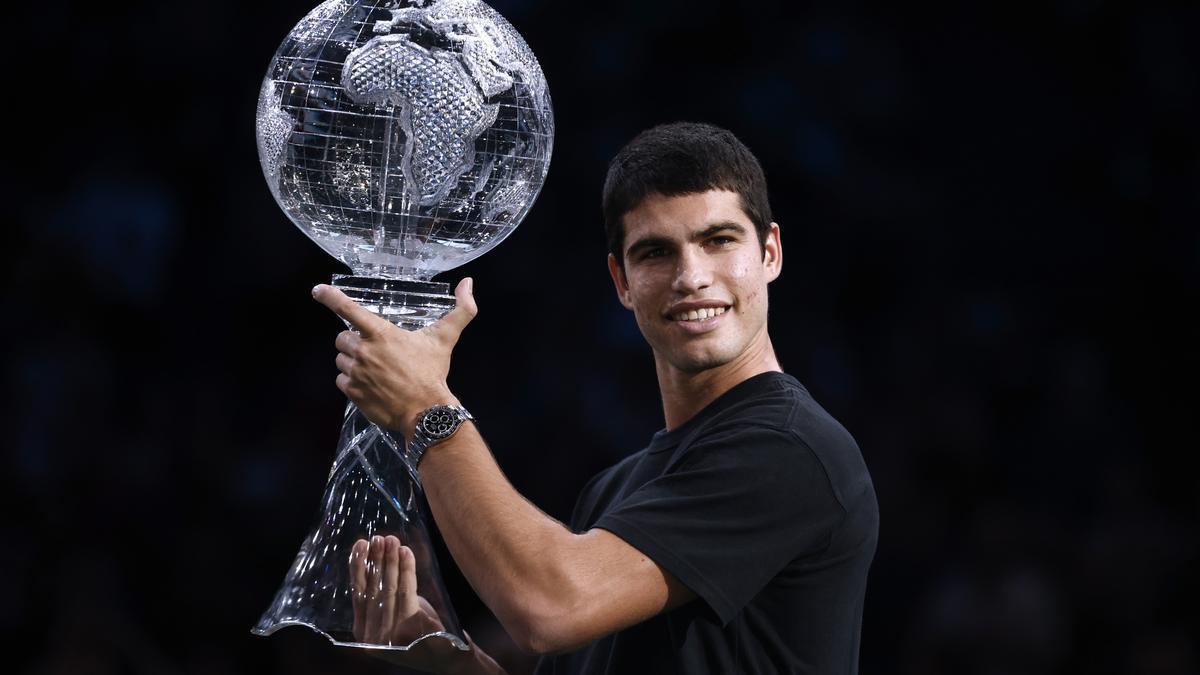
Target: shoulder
x,y
767,464
776,424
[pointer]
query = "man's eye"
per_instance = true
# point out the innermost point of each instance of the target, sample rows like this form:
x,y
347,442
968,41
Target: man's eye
x,y
654,253
721,241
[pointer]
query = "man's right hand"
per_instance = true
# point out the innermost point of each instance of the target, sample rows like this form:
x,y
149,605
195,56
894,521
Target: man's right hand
x,y
389,611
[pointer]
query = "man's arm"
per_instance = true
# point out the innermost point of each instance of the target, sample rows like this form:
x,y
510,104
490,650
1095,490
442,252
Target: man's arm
x,y
551,589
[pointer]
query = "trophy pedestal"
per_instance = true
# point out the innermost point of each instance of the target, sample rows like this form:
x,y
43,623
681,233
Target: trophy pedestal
x,y
373,490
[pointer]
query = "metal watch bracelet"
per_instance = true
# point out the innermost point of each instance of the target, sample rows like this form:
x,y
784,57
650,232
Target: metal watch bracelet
x,y
435,425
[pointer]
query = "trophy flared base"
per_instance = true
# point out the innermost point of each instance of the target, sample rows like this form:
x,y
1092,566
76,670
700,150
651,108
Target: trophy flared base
x,y
453,639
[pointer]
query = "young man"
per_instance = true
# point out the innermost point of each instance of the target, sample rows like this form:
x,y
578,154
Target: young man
x,y
737,541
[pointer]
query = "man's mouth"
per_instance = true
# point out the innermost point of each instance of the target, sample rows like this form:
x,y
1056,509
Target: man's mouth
x,y
698,314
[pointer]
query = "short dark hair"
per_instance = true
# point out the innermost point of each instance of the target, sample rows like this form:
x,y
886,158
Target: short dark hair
x,y
678,159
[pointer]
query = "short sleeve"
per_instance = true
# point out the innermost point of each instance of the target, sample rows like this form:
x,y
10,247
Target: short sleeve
x,y
734,509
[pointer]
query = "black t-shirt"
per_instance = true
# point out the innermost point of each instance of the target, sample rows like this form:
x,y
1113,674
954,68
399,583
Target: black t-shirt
x,y
761,505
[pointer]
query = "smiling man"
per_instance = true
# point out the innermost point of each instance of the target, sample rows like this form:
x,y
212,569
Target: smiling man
x,y
737,541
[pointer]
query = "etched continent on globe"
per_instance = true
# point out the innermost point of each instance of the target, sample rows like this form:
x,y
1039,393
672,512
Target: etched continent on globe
x,y
442,111
405,138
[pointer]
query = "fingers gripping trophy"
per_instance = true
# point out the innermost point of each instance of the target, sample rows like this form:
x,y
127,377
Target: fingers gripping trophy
x,y
404,138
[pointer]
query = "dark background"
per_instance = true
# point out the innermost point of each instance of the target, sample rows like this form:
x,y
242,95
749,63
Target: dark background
x,y
990,217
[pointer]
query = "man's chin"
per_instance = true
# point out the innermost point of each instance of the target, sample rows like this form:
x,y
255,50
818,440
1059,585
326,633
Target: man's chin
x,y
693,364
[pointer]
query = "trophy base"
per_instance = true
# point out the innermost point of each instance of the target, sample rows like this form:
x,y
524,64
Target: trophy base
x,y
453,639
373,490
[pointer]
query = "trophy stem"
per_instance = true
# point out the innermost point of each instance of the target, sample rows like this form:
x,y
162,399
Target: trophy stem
x,y
411,304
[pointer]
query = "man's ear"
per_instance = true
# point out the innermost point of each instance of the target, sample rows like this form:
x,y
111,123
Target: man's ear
x,y
622,284
773,253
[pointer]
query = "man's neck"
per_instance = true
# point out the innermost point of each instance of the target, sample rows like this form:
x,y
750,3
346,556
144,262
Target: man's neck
x,y
684,394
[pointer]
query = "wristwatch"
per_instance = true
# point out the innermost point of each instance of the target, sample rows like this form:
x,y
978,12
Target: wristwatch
x,y
434,426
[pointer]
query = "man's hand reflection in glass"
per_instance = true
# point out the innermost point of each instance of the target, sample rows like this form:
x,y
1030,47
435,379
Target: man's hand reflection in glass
x,y
388,610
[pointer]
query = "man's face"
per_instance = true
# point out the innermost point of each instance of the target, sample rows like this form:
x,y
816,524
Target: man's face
x,y
696,276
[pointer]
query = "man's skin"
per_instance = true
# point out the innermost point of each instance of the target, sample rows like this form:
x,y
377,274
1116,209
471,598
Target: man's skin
x,y
554,590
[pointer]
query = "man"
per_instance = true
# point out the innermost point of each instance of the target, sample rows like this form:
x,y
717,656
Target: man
x,y
737,541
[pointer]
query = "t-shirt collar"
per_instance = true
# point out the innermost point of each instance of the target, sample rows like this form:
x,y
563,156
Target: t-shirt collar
x,y
747,388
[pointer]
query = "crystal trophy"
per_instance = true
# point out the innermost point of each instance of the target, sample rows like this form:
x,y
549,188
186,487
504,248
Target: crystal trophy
x,y
404,138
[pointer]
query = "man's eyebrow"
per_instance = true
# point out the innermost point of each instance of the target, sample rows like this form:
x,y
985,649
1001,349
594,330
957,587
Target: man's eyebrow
x,y
727,226
645,243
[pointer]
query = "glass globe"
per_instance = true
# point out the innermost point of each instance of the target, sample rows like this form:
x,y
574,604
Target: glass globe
x,y
405,138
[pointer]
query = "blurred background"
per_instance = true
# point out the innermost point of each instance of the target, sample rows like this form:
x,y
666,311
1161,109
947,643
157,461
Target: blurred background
x,y
991,218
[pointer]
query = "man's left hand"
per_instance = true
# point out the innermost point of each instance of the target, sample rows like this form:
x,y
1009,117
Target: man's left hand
x,y
392,374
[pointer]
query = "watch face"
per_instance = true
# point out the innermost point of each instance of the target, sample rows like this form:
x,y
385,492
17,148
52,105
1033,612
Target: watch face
x,y
439,422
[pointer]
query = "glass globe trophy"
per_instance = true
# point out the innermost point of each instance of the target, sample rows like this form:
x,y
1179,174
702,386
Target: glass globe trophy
x,y
404,138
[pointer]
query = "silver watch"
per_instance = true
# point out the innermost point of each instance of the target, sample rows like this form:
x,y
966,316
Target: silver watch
x,y
433,426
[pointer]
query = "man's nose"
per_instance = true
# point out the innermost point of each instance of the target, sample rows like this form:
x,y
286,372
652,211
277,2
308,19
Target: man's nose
x,y
692,273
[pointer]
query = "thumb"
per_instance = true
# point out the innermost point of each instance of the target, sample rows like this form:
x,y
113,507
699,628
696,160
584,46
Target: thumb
x,y
451,326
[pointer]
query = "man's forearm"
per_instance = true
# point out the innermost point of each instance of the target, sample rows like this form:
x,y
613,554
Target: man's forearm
x,y
507,548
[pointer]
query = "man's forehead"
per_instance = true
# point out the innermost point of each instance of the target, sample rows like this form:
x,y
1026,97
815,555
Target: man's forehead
x,y
679,216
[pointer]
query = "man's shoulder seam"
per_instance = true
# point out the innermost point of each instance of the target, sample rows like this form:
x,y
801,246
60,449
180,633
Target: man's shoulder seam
x,y
833,490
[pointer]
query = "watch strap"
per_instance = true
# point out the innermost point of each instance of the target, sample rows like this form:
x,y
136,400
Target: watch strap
x,y
435,425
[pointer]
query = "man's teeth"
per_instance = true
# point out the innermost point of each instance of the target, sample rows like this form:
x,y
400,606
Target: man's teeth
x,y
699,314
